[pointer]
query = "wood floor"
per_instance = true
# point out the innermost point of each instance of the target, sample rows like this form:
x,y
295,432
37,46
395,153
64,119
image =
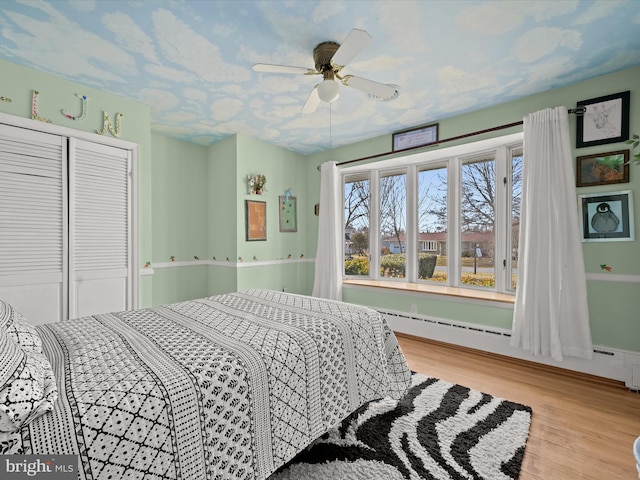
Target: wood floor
x,y
583,427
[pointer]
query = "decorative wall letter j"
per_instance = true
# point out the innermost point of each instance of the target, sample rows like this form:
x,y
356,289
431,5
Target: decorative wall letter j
x,y
84,99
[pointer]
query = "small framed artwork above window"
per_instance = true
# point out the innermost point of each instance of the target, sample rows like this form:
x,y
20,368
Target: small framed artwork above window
x,y
602,168
607,217
415,137
606,120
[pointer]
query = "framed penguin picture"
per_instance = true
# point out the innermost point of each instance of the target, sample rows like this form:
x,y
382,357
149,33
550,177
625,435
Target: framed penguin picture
x,y
607,217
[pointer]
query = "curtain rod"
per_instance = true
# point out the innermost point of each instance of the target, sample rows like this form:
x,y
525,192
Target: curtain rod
x,y
578,111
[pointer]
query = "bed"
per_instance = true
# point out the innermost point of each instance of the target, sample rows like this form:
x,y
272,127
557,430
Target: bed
x,y
225,387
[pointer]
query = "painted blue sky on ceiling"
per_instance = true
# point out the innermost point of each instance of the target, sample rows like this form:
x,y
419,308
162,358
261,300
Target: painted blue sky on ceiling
x,y
191,60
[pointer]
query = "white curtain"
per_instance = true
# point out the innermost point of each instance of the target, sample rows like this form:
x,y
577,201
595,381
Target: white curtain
x,y
327,282
551,316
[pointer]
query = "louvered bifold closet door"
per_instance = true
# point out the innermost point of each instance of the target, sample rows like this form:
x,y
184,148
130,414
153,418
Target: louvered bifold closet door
x,y
99,229
33,218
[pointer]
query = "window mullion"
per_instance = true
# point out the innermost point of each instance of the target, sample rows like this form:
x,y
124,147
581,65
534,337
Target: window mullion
x,y
453,221
374,226
412,224
503,186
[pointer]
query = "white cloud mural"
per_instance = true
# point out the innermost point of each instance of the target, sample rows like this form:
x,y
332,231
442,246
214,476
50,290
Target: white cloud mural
x,y
191,61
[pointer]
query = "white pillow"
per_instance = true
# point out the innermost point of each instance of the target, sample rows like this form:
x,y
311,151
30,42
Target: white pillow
x,y
27,385
21,331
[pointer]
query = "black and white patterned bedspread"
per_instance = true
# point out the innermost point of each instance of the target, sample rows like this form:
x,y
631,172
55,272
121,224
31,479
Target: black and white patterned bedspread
x,y
228,387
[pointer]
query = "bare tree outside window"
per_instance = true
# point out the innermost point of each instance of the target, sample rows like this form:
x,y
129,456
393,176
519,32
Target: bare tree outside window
x,y
356,226
393,224
360,243
478,195
477,222
464,184
356,204
432,219
516,198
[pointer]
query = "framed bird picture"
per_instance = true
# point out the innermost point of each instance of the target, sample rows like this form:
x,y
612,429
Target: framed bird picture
x,y
607,217
602,168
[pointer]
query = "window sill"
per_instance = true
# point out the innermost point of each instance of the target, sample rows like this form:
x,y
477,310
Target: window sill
x,y
466,293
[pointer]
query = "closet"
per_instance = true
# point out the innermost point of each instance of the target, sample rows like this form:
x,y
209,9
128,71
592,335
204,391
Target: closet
x,y
66,223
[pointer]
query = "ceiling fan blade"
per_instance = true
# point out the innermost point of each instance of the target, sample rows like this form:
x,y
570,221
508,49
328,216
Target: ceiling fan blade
x,y
265,67
355,42
312,102
380,90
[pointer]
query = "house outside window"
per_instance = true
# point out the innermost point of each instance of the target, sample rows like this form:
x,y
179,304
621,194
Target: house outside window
x,y
448,217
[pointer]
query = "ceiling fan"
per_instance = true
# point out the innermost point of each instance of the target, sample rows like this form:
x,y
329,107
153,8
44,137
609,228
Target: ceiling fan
x,y
330,58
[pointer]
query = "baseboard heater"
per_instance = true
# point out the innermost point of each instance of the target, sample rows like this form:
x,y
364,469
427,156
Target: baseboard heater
x,y
607,362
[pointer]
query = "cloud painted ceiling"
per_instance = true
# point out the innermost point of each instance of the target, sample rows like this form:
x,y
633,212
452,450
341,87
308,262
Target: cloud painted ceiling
x,y
191,60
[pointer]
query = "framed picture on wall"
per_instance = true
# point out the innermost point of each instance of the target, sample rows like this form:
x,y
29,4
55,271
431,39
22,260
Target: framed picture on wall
x,y
606,120
256,220
607,217
288,213
602,168
415,137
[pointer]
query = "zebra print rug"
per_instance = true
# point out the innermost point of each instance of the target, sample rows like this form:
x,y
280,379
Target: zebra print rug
x,y
438,430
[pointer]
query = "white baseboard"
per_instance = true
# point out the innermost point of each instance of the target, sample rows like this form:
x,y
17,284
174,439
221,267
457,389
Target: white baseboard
x,y
607,362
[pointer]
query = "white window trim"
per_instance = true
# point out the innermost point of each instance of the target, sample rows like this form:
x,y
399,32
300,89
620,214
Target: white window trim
x,y
450,157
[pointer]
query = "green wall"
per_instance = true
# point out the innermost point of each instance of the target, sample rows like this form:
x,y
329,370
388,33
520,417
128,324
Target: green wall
x,y
55,95
199,198
613,305
180,215
179,177
284,170
191,203
223,215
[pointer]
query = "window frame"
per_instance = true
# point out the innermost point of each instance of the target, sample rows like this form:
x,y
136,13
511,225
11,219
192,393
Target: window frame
x,y
453,159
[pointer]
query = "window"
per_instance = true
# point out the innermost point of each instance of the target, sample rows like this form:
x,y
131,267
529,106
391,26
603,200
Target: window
x,y
432,223
478,221
449,216
393,225
356,225
516,191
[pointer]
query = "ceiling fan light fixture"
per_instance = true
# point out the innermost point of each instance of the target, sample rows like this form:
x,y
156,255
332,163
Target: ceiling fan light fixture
x,y
328,90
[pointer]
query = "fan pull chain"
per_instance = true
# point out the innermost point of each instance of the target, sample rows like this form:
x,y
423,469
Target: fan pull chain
x,y
330,132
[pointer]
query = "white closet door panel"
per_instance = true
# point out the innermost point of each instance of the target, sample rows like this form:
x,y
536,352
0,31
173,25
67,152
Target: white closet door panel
x,y
100,296
39,302
33,219
100,228
30,279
